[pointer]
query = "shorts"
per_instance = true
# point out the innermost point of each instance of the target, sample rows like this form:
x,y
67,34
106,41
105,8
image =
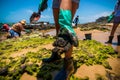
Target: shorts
x,y
13,33
116,19
56,3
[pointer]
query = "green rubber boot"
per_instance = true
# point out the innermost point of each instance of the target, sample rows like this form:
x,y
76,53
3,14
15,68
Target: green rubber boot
x,y
65,21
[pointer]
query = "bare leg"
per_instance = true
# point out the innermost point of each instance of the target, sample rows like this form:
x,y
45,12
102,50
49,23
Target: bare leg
x,y
115,25
56,16
73,7
67,5
65,16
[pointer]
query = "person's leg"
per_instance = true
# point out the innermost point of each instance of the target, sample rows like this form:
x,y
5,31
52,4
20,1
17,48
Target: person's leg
x,y
56,7
55,55
65,21
56,15
115,25
67,6
13,34
74,8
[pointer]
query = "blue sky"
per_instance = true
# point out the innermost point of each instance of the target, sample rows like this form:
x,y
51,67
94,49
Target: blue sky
x,y
89,10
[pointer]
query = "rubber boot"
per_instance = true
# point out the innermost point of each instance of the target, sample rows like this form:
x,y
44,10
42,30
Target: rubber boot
x,y
65,21
54,57
118,37
110,39
66,71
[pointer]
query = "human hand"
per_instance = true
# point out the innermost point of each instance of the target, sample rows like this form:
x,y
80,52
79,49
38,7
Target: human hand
x,y
34,17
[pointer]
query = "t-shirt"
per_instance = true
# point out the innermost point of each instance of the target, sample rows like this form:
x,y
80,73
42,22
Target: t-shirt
x,y
117,9
18,27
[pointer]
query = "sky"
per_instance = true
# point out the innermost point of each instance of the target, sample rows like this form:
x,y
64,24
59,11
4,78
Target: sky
x,y
88,11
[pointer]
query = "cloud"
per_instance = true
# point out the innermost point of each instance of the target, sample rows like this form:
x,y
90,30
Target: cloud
x,y
46,17
16,16
92,18
29,11
101,14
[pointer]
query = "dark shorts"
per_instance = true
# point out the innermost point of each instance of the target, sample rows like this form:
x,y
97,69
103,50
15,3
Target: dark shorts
x,y
56,3
117,19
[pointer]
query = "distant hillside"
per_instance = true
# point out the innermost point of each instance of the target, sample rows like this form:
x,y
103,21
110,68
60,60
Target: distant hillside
x,y
102,19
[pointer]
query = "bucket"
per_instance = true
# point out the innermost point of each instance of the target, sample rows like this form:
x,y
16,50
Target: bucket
x,y
88,36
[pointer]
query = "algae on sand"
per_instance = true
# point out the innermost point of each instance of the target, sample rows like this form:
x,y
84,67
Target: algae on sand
x,y
89,52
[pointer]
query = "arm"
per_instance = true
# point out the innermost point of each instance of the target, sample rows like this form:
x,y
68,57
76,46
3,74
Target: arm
x,y
42,6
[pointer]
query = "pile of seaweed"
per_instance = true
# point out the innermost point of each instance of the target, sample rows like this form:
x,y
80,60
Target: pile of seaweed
x,y
92,26
89,52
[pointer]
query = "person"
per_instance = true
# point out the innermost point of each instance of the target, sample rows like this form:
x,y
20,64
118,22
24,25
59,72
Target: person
x,y
64,11
16,29
116,23
6,27
76,20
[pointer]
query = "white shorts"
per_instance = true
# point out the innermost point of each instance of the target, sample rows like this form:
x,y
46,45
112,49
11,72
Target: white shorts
x,y
56,3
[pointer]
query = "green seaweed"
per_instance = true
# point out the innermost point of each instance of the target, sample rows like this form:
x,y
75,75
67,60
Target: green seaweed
x,y
89,52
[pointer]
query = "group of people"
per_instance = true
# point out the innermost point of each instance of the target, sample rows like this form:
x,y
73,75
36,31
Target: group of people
x,y
15,30
63,12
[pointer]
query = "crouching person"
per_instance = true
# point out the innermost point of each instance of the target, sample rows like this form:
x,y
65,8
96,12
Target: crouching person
x,y
16,29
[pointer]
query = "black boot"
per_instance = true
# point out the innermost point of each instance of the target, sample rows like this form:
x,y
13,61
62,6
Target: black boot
x,y
110,39
66,71
54,57
118,37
